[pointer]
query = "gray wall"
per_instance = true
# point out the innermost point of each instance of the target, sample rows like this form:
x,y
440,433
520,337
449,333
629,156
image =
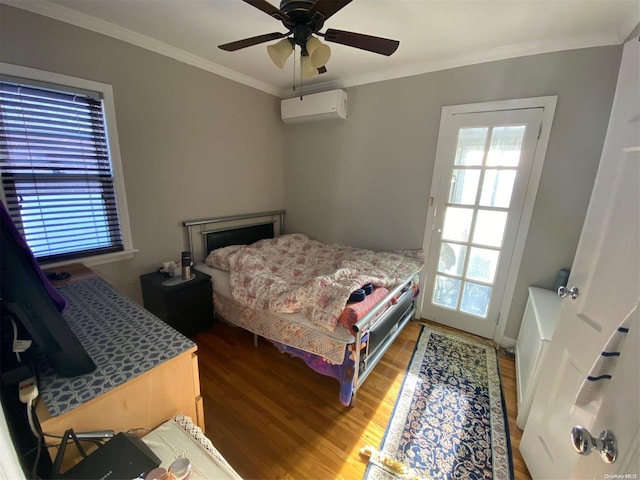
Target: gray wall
x,y
365,181
193,144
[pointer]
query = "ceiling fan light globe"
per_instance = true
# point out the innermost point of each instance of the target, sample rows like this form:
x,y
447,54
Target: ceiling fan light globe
x,y
318,52
279,52
308,69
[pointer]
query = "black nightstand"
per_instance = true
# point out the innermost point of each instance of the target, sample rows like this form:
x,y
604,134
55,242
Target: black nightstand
x,y
187,307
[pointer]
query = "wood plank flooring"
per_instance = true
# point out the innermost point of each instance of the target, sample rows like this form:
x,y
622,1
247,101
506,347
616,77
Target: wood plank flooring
x,y
274,418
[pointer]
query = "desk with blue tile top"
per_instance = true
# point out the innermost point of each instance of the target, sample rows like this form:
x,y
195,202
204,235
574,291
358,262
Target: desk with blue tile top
x,y
146,373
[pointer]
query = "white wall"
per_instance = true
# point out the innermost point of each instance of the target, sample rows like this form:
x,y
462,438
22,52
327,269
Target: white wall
x,y
10,467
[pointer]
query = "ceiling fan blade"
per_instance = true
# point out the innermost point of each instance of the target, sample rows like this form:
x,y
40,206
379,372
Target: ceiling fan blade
x,y
249,42
328,7
383,46
267,8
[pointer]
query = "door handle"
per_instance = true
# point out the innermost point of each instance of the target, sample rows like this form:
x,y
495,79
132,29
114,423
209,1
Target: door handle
x,y
584,443
573,292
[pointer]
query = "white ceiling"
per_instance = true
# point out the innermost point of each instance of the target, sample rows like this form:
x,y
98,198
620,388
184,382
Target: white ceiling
x,y
433,34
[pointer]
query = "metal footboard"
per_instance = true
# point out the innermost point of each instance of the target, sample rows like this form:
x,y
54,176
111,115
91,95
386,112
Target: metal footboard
x,y
382,331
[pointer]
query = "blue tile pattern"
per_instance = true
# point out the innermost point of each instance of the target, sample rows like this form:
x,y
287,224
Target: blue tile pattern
x,y
123,339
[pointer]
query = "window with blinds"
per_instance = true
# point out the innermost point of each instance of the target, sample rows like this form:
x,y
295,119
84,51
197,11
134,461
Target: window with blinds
x,y
56,170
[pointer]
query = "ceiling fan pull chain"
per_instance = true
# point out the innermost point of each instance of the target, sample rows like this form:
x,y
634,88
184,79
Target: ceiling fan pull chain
x,y
301,74
294,68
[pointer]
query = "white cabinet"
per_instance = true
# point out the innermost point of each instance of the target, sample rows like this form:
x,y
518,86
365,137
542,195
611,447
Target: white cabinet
x,y
536,332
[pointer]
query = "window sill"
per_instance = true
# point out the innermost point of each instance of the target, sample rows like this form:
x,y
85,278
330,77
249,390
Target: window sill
x,y
97,259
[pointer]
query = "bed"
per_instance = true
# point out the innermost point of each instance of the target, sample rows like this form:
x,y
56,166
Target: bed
x,y
305,296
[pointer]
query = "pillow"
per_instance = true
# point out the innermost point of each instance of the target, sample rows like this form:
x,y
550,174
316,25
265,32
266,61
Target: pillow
x,y
219,258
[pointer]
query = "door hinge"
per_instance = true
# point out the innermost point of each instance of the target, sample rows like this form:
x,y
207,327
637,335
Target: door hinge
x,y
540,131
498,318
432,202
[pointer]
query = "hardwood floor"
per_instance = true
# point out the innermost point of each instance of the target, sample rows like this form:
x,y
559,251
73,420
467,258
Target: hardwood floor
x,y
508,376
274,418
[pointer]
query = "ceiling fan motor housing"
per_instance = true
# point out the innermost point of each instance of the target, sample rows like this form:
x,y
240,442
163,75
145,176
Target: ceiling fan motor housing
x,y
296,9
299,23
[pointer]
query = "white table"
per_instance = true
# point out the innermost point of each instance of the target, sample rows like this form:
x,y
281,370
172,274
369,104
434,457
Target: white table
x,y
180,438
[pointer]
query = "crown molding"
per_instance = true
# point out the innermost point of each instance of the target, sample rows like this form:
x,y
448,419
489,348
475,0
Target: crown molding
x,y
67,15
490,55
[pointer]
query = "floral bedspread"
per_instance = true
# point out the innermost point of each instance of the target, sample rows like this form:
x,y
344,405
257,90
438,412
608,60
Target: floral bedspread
x,y
293,273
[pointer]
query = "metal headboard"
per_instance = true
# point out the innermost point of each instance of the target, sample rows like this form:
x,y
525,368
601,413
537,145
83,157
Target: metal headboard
x,y
231,222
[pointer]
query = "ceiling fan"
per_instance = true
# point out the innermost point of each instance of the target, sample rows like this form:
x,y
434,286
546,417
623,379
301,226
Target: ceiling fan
x,y
303,19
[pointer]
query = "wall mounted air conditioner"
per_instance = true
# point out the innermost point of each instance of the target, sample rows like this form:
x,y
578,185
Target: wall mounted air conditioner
x,y
318,106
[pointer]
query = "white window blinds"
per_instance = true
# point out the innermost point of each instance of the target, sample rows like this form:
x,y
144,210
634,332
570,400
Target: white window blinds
x,y
56,171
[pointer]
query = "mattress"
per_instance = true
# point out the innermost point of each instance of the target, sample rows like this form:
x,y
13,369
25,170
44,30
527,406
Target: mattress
x,y
294,273
292,329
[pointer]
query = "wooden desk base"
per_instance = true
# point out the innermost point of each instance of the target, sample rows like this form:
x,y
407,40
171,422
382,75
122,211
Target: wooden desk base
x,y
138,405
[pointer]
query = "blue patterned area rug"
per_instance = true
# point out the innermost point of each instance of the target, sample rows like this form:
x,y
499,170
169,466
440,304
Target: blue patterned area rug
x,y
449,420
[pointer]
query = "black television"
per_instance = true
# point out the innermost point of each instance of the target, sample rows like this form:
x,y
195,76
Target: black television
x,y
27,296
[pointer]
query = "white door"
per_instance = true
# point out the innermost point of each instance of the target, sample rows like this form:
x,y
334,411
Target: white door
x,y
481,180
606,271
625,426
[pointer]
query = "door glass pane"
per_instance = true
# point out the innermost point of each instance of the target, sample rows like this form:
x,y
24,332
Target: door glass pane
x,y
457,224
471,146
464,186
497,187
506,144
446,292
475,299
489,228
482,264
451,259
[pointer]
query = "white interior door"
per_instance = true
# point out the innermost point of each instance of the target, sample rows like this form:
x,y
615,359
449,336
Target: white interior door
x,y
606,273
483,163
624,426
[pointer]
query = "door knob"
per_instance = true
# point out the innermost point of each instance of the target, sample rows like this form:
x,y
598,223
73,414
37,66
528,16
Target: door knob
x,y
584,443
573,292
